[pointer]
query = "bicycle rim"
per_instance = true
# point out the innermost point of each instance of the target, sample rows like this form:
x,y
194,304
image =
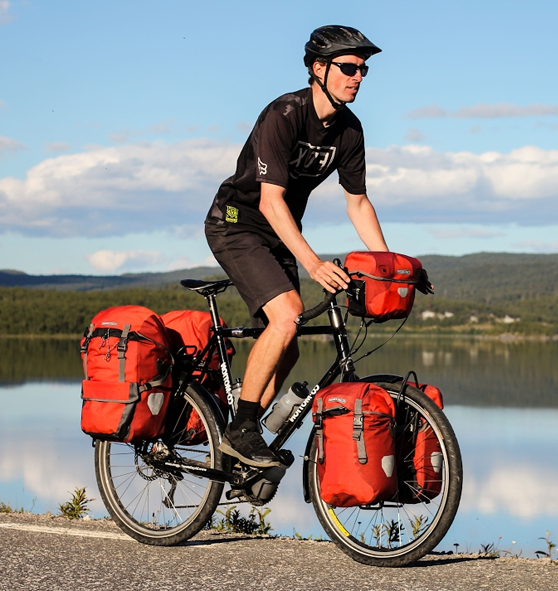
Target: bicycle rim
x,y
395,533
155,505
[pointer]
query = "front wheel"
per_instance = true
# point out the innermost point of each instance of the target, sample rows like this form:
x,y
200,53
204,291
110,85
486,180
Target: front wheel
x,y
399,532
143,486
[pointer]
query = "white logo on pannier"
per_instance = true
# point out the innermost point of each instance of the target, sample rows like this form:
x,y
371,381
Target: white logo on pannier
x,y
436,460
337,399
155,402
403,291
388,465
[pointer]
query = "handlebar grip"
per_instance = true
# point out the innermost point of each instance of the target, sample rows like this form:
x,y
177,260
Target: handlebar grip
x,y
316,310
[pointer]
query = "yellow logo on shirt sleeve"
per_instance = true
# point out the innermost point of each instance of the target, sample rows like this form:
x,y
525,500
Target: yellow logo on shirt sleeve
x,y
232,214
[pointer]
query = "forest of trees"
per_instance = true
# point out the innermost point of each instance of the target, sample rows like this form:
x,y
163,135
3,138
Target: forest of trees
x,y
25,311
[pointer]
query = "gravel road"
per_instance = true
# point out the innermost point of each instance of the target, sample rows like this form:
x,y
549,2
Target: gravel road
x,y
40,552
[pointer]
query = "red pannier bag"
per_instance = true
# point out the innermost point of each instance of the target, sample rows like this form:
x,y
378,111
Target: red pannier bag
x,y
419,457
127,365
356,450
191,330
384,284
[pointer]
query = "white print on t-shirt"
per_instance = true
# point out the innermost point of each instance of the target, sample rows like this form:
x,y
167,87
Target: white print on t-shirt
x,y
262,167
309,160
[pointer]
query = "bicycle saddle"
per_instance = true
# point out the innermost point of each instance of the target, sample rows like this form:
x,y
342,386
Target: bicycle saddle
x,y
206,287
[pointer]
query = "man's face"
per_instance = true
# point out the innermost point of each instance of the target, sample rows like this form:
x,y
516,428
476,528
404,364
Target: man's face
x,y
342,88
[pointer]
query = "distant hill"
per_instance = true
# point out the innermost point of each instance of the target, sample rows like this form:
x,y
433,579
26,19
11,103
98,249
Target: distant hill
x,y
9,278
482,277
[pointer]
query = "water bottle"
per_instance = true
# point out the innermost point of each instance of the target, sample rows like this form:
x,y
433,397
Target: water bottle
x,y
283,409
236,391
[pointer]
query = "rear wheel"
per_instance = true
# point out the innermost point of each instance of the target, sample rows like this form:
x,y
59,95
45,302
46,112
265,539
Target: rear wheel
x,y
399,532
152,501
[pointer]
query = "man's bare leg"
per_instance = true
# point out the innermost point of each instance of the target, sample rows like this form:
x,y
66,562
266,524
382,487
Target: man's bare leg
x,y
274,353
268,364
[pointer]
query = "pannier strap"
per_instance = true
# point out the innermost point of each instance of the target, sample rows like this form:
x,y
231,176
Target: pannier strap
x,y
362,273
358,425
122,346
87,334
318,418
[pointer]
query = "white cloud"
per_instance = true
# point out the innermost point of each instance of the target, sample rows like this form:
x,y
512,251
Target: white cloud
x,y
110,260
118,190
56,147
9,145
494,494
451,234
539,246
415,135
482,111
150,186
5,16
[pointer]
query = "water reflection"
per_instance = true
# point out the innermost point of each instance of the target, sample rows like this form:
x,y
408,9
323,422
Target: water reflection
x,y
501,399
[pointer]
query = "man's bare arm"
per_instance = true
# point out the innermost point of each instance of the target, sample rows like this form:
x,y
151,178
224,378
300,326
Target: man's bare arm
x,y
363,216
277,213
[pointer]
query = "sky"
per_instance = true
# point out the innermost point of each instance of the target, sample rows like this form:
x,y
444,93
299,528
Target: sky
x,y
119,120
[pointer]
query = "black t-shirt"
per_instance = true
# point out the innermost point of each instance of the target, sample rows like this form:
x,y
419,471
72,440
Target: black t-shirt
x,y
290,147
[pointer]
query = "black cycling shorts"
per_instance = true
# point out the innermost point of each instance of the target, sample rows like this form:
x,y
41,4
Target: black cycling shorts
x,y
259,269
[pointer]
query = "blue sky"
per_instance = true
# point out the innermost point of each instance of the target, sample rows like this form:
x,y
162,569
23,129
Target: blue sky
x,y
119,120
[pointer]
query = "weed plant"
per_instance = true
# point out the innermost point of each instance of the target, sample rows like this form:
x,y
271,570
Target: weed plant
x,y
550,548
234,522
76,507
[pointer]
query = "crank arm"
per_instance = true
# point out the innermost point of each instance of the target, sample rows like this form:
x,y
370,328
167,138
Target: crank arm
x,y
202,471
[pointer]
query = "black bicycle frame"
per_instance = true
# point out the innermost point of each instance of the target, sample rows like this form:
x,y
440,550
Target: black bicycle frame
x,y
342,365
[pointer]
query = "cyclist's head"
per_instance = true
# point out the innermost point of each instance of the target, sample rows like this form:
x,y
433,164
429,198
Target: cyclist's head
x,y
327,43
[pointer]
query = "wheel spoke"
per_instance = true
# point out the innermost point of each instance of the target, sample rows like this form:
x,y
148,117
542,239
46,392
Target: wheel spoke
x,y
153,503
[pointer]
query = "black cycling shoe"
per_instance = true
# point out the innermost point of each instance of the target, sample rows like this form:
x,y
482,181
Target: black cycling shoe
x,y
247,444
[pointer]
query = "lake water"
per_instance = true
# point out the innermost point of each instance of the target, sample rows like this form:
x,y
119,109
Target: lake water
x,y
501,398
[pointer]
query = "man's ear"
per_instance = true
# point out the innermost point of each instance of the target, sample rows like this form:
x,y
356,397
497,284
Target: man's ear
x,y
319,70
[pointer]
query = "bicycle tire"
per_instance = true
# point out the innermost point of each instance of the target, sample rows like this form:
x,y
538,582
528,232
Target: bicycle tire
x,y
139,496
395,534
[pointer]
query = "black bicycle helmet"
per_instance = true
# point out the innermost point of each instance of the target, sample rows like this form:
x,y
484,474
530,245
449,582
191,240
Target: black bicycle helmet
x,y
334,40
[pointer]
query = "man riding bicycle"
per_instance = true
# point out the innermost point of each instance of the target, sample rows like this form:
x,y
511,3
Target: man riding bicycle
x,y
254,225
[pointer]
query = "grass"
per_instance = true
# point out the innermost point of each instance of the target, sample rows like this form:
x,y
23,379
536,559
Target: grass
x,y
7,509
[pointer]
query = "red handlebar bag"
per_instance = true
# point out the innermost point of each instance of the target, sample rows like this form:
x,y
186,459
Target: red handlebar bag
x,y
383,284
356,450
127,365
419,456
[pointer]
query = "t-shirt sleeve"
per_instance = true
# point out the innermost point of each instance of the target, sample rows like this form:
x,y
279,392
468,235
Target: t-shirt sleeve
x,y
352,168
274,149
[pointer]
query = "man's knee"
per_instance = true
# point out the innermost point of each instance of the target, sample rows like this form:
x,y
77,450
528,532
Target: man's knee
x,y
283,310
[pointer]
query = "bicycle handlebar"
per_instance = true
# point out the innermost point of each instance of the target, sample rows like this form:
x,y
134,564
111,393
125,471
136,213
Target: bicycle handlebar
x,y
322,306
317,310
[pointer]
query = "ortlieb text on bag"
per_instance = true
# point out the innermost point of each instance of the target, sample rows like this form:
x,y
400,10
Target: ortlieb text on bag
x,y
419,456
356,450
127,365
191,330
383,286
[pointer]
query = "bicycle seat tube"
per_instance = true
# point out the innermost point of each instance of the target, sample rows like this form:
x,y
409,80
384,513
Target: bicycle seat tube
x,y
222,349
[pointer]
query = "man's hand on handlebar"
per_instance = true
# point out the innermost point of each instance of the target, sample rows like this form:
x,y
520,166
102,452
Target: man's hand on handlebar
x,y
331,277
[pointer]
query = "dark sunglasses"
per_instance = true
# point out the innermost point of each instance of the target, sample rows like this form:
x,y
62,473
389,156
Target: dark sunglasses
x,y
351,69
